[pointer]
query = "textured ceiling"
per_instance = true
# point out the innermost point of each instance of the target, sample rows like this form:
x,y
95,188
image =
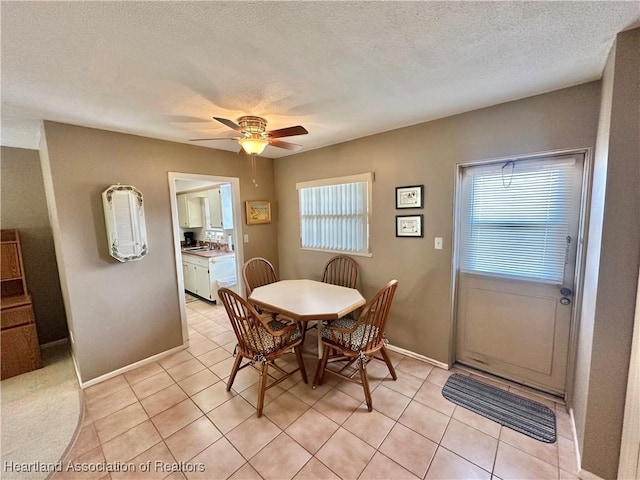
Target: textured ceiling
x,y
344,70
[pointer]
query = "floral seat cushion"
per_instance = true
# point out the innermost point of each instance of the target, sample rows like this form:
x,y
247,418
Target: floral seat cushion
x,y
352,341
260,340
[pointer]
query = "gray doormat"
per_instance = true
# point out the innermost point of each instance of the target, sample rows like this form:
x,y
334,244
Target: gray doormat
x,y
520,414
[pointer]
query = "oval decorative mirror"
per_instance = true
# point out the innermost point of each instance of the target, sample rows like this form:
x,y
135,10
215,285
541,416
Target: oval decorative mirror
x,y
124,219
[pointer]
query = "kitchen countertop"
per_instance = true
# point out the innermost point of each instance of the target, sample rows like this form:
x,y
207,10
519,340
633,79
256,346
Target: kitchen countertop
x,y
208,253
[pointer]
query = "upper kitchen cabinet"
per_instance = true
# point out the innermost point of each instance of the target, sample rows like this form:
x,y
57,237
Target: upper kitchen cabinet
x,y
220,210
190,210
215,208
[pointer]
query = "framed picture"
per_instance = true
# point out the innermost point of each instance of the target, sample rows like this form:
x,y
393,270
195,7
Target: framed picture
x,y
409,226
410,197
258,211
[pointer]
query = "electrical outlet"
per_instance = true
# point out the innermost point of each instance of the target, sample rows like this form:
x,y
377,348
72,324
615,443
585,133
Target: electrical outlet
x,y
437,244
246,238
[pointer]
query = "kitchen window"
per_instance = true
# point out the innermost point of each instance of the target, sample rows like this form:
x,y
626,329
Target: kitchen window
x,y
335,213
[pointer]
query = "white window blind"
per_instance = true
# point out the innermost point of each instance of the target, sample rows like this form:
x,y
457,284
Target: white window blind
x,y
515,219
334,214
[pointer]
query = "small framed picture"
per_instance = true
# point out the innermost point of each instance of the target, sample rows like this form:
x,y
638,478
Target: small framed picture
x,y
258,211
410,197
409,226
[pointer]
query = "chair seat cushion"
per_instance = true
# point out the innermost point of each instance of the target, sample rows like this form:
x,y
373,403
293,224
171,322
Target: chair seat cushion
x,y
352,341
261,341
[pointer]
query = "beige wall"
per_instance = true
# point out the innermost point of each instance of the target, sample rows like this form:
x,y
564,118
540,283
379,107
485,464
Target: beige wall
x,y
613,257
426,154
592,263
121,313
24,207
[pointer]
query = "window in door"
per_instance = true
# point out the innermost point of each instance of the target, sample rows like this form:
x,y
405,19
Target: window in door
x,y
516,218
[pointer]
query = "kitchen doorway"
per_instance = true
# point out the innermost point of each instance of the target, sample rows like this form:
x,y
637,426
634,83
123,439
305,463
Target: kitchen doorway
x,y
181,182
518,248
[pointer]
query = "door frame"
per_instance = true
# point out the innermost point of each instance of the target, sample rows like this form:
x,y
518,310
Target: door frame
x,y
237,234
583,228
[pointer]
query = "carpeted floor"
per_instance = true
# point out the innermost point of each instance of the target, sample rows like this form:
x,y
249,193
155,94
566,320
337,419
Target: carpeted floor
x,y
40,413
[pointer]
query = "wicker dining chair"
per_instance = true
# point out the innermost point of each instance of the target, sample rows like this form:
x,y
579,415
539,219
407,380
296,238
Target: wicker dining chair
x,y
262,340
341,270
347,341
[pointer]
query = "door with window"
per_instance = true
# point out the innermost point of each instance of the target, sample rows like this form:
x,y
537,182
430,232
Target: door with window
x,y
518,231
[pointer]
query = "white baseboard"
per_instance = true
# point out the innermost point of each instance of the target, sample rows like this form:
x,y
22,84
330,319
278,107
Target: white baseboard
x,y
55,343
574,432
582,473
128,368
585,475
417,356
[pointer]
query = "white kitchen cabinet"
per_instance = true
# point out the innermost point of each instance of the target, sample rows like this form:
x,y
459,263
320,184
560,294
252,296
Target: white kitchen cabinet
x,y
220,207
226,205
189,210
203,275
203,282
215,208
189,276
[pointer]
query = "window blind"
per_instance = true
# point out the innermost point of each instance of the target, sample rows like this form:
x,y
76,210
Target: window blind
x,y
516,217
334,214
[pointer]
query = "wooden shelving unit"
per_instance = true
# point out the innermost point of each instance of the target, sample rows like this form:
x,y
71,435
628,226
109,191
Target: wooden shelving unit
x,y
18,335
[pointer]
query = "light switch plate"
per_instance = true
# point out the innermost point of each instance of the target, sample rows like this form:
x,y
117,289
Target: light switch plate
x,y
246,238
437,244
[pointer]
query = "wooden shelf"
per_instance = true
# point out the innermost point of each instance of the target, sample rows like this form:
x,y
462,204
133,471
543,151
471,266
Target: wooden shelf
x,y
20,350
9,236
12,281
16,301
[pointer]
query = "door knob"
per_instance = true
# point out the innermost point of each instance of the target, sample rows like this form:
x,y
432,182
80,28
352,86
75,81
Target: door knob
x,y
565,292
565,301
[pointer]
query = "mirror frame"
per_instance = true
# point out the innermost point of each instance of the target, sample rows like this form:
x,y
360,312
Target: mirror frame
x,y
125,221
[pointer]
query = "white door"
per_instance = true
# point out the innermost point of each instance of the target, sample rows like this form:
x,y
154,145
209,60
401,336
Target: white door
x,y
518,229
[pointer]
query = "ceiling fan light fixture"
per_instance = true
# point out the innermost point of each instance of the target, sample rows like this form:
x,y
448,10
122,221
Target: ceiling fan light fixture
x,y
253,145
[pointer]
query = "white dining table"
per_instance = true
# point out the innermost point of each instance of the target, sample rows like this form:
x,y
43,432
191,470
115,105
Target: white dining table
x,y
307,300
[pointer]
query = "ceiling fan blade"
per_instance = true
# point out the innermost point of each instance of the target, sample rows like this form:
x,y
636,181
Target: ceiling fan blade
x,y
229,123
285,145
287,132
207,139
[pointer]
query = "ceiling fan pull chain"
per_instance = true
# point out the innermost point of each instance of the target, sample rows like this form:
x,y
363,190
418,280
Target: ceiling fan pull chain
x,y
253,171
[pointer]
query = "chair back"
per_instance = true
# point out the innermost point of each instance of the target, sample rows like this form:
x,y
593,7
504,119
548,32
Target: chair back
x,y
373,319
257,272
341,270
252,337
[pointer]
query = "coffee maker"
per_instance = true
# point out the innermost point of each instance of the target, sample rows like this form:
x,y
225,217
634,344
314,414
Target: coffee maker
x,y
189,241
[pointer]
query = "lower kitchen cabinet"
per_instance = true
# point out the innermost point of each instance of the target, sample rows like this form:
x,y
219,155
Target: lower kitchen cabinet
x,y
203,276
189,275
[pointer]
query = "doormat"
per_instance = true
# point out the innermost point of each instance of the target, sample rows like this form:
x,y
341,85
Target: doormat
x,y
520,414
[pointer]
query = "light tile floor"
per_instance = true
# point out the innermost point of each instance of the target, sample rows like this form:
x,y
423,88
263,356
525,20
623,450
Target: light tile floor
x,y
175,414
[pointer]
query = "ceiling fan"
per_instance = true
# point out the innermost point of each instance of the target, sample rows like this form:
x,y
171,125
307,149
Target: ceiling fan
x,y
254,136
